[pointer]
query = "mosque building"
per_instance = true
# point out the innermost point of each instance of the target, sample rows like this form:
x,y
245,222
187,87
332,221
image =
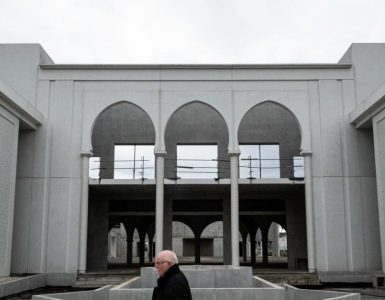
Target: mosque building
x,y
245,164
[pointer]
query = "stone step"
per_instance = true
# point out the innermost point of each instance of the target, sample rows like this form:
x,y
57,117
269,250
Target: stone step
x,y
99,280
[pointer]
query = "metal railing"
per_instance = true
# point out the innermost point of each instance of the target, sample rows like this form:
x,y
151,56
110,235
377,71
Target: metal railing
x,y
249,168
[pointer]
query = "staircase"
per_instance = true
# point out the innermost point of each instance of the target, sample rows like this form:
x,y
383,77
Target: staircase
x,y
96,280
292,278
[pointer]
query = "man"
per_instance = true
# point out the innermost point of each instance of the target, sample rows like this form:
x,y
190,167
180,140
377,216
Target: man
x,y
172,283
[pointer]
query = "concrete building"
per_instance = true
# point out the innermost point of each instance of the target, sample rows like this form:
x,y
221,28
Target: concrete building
x,y
254,122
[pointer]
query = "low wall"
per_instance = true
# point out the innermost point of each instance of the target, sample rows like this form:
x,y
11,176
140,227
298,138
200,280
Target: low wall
x,y
207,283
293,293
22,284
207,279
205,276
98,294
204,294
351,277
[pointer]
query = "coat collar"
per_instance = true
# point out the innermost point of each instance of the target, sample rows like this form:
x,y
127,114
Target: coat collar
x,y
170,272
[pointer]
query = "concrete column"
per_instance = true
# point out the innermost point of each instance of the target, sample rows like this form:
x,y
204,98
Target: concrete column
x,y
234,162
197,248
159,206
274,235
113,245
84,212
226,249
167,222
252,249
265,245
129,250
309,211
150,246
379,151
244,247
141,249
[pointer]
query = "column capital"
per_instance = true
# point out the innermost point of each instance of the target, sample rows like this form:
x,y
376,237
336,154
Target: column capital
x,y
232,153
159,152
306,152
86,153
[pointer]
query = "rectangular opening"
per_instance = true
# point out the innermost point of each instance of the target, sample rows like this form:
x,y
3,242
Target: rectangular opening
x,y
259,161
197,161
134,162
298,167
94,167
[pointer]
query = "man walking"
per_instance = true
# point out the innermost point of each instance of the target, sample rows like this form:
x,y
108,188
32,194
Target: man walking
x,y
172,283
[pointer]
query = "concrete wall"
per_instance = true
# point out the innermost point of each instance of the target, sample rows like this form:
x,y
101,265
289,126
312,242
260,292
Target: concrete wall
x,y
296,234
21,284
343,181
98,294
293,293
19,68
97,241
379,142
205,277
369,67
9,132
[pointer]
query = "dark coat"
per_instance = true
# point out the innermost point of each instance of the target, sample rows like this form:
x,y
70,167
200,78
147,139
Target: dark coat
x,y
172,286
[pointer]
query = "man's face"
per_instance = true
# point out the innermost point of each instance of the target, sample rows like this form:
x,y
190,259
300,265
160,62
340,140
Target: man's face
x,y
162,265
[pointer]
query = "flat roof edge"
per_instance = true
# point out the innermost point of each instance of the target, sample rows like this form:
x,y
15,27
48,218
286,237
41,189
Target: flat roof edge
x,y
27,112
370,106
190,66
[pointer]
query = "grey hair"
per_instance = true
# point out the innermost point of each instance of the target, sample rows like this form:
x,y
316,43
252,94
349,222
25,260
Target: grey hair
x,y
169,256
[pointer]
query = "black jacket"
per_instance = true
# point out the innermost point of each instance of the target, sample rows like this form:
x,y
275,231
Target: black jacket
x,y
172,286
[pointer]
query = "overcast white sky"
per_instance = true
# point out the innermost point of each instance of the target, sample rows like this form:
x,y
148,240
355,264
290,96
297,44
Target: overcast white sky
x,y
193,31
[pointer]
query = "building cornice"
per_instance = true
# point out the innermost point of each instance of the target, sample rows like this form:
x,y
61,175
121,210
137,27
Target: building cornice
x,y
191,66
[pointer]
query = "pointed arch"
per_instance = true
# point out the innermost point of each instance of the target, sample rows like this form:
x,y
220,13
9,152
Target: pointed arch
x,y
94,113
120,123
196,123
271,123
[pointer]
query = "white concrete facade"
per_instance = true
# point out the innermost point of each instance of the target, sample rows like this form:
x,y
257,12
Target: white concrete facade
x,y
339,108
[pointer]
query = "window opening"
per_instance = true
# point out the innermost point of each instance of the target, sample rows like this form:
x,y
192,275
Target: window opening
x,y
197,161
298,167
94,168
259,161
134,162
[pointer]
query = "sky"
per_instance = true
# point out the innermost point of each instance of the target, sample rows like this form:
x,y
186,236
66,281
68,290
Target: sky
x,y
193,31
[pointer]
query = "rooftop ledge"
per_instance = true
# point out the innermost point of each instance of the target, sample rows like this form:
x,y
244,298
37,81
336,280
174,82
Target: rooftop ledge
x,y
190,66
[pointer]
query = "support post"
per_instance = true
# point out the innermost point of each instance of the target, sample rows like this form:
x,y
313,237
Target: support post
x,y
309,210
82,265
234,162
159,206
